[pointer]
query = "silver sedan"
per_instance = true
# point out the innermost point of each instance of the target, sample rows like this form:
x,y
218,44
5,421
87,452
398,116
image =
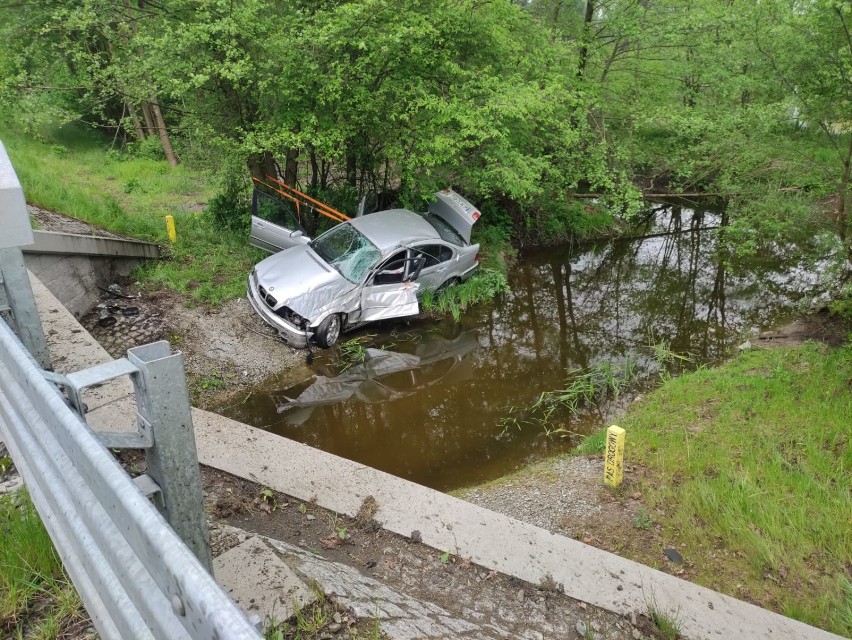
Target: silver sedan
x,y
365,269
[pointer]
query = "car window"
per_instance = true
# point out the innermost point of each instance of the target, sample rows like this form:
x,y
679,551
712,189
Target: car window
x,y
274,210
393,270
435,254
347,250
447,233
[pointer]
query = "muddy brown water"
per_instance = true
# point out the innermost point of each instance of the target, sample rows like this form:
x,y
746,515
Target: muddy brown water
x,y
428,401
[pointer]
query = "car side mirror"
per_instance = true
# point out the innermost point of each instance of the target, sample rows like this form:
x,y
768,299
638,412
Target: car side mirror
x,y
296,234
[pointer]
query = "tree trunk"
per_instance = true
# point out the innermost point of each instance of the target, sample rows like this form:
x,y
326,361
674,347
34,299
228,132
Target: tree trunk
x,y
351,170
134,118
163,133
843,197
291,167
150,129
842,214
262,165
586,36
314,169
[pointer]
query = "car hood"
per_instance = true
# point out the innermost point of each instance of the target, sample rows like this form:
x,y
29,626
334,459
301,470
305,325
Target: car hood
x,y
297,278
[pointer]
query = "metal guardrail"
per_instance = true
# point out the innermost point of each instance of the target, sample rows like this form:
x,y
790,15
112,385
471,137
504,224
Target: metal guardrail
x,y
134,574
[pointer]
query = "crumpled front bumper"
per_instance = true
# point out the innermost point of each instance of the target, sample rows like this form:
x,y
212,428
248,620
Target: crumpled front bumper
x,y
290,333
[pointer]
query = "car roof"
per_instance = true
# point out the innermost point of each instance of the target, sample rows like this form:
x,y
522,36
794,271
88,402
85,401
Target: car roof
x,y
391,228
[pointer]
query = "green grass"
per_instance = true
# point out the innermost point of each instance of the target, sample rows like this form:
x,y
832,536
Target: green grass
x,y
314,621
36,598
752,462
485,285
73,171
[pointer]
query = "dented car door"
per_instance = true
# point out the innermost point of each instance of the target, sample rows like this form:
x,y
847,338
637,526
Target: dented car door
x,y
382,301
389,291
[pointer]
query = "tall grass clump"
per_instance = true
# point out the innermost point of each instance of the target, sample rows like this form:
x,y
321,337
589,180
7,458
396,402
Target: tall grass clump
x,y
585,389
35,593
483,286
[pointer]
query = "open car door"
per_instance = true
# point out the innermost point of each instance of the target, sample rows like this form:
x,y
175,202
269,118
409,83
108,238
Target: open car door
x,y
272,237
273,225
277,210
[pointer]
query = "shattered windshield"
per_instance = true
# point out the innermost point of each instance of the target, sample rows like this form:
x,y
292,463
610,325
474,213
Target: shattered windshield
x,y
348,251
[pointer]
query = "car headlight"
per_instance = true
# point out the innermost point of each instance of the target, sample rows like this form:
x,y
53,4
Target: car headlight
x,y
292,317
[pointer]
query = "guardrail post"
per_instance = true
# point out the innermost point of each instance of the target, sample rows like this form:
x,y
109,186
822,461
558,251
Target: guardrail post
x,y
163,402
15,222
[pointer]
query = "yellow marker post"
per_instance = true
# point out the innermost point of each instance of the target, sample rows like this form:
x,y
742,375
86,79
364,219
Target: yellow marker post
x,y
170,227
614,456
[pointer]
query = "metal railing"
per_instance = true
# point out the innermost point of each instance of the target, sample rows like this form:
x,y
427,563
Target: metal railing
x,y
133,572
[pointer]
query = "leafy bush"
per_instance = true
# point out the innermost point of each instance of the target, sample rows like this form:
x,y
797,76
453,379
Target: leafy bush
x,y
149,148
231,206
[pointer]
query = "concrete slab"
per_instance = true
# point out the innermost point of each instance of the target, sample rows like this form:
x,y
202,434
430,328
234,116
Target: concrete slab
x,y
11,485
260,582
77,244
399,615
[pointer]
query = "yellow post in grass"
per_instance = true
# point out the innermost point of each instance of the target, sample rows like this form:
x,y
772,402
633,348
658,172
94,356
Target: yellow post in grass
x,y
170,227
614,456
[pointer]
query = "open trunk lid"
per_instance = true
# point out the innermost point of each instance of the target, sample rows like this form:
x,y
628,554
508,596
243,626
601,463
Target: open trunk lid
x,y
455,211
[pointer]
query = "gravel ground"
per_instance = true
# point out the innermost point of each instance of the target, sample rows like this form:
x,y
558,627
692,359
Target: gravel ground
x,y
51,221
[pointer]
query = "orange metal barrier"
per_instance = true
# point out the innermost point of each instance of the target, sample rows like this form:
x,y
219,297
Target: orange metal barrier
x,y
300,199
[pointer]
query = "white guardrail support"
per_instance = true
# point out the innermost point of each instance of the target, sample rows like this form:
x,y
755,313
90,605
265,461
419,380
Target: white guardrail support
x,y
133,572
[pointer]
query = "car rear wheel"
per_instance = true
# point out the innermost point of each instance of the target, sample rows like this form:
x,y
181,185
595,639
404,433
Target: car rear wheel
x,y
452,282
328,331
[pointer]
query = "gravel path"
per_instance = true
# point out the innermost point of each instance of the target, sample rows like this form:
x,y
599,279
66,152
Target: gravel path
x,y
52,221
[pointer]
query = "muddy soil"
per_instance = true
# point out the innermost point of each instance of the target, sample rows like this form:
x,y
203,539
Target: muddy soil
x,y
226,348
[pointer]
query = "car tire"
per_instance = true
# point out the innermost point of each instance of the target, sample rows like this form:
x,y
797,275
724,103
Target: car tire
x,y
452,282
328,331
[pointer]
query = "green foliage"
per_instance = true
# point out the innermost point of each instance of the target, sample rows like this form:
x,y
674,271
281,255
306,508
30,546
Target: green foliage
x,y
267,497
668,361
593,385
353,352
667,624
230,207
592,444
643,519
520,106
843,304
584,389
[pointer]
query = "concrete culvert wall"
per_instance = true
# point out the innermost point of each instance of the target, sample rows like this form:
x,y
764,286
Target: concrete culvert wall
x,y
73,266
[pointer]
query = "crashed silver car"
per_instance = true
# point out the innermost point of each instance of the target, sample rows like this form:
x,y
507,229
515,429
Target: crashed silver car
x,y
365,269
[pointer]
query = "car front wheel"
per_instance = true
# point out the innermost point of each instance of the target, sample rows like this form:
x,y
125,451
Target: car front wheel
x,y
328,331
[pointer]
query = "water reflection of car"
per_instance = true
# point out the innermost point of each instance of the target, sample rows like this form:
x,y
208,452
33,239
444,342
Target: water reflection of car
x,y
365,269
384,375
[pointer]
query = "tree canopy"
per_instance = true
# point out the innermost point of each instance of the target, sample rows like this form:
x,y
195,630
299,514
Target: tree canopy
x,y
534,108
